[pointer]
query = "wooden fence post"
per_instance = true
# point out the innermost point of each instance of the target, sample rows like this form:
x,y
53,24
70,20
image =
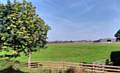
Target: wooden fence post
x,y
103,67
93,68
81,68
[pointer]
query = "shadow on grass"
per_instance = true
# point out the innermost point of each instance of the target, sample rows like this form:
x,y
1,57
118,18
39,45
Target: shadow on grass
x,y
11,70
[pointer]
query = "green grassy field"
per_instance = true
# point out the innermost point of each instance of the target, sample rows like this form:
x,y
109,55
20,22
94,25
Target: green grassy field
x,y
69,52
74,52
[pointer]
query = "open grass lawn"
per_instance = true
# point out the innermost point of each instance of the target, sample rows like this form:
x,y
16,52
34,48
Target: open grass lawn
x,y
69,52
74,52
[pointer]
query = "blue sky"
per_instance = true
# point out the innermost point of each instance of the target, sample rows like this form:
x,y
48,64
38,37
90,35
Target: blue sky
x,y
79,19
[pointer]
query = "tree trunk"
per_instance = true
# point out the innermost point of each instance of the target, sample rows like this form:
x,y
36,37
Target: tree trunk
x,y
29,58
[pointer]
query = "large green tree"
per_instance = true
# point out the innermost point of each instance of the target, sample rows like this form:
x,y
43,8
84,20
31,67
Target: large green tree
x,y
21,29
117,35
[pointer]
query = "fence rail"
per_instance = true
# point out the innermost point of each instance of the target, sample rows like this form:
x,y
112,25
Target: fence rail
x,y
79,67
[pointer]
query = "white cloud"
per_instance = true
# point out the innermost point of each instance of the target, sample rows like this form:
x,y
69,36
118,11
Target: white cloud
x,y
75,4
83,6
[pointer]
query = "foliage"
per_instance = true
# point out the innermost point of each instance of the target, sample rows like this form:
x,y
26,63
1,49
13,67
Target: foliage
x,y
21,29
117,35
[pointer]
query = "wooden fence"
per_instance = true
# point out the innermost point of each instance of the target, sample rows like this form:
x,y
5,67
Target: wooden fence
x,y
79,67
95,68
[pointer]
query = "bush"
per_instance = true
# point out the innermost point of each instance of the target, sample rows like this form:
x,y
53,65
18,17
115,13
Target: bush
x,y
70,70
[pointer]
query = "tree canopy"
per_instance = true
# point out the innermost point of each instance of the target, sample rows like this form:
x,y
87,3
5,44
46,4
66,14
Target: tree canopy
x,y
117,35
21,29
